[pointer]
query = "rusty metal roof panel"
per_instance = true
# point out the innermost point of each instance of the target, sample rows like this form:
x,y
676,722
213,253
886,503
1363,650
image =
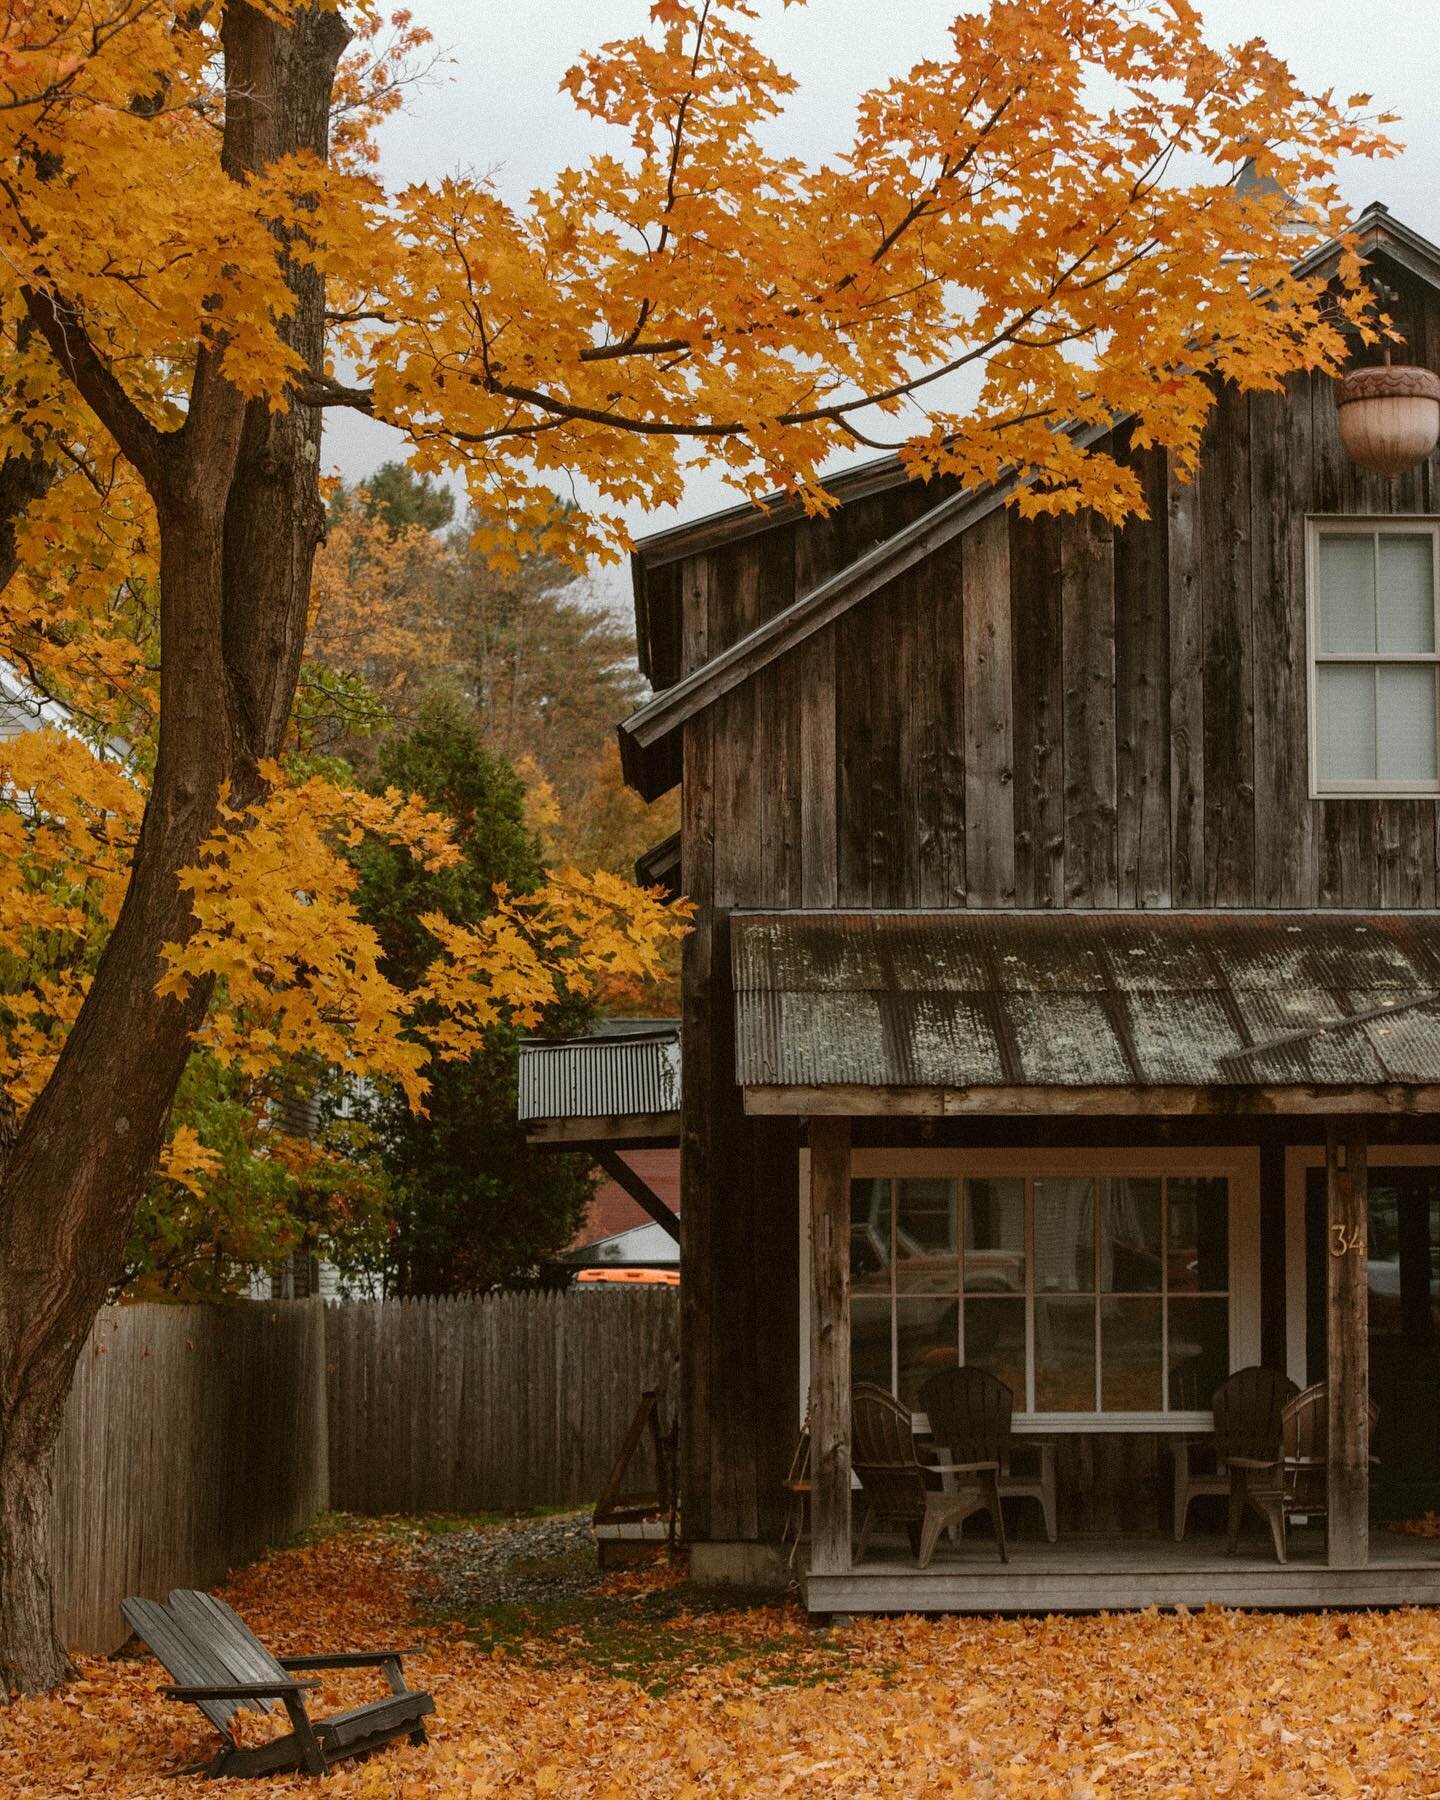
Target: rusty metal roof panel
x,y
1027,999
619,1074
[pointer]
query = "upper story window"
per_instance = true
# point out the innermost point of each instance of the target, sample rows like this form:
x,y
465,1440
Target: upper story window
x,y
1374,656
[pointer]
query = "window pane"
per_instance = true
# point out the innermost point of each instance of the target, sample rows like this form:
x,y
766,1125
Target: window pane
x,y
995,1341
1432,1211
1199,1253
1064,1355
1199,1352
1347,591
1407,592
1130,1236
1345,721
870,1341
1407,722
927,1338
1382,1259
870,1237
927,1259
995,1237
1065,1235
1131,1376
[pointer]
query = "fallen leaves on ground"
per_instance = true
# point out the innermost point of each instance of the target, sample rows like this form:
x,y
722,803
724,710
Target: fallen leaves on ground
x,y
1207,1704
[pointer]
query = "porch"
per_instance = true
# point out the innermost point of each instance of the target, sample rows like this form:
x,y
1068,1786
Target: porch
x,y
1109,1288
1104,1572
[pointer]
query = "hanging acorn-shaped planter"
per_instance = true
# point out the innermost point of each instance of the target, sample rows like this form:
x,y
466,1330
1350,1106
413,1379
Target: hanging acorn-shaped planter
x,y
1389,416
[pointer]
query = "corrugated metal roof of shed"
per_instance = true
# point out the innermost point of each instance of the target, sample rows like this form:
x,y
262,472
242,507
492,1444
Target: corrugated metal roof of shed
x,y
1028,999
618,1075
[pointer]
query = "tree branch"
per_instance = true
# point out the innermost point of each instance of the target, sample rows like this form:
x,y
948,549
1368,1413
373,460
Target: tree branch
x,y
144,444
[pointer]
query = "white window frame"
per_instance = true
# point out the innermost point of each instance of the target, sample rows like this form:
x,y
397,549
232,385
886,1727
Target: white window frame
x,y
1239,1165
1350,525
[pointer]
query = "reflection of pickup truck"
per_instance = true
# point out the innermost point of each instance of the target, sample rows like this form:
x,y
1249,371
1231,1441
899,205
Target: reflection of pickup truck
x,y
932,1272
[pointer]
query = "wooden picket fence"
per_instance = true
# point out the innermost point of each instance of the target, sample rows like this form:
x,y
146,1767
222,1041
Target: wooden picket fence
x,y
471,1404
196,1437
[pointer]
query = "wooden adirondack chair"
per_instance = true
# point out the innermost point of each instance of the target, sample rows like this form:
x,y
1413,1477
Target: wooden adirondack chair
x,y
970,1412
1245,1444
895,1485
1298,1483
220,1666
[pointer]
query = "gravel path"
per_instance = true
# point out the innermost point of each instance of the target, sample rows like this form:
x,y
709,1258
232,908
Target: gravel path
x,y
519,1564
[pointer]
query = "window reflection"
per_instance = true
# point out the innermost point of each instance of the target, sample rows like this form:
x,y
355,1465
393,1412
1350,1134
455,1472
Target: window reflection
x,y
870,1236
1382,1260
1132,1375
995,1237
927,1338
1065,1234
1198,1253
1110,1294
927,1253
1130,1246
1064,1355
1199,1351
870,1341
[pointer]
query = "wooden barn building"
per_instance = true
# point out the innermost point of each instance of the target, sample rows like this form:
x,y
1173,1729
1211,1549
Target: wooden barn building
x,y
1064,999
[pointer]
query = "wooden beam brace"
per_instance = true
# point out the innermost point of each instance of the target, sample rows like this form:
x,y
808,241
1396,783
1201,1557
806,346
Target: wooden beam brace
x,y
830,1346
1347,1345
639,1190
623,1131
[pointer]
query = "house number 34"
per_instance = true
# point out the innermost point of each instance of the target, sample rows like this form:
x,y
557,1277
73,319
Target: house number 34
x,y
1347,1240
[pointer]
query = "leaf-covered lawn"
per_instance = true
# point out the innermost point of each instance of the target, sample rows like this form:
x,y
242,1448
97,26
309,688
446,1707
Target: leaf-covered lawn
x,y
649,1688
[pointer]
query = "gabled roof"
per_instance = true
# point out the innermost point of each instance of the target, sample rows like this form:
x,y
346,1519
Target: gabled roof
x,y
648,738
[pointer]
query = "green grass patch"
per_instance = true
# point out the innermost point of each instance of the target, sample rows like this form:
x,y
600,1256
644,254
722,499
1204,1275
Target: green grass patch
x,y
657,1637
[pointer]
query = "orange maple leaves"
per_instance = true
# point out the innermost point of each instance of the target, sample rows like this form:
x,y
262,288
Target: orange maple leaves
x,y
1126,1707
1051,206
298,971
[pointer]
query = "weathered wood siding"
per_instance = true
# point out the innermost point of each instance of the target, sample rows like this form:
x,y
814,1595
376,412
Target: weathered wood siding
x,y
1049,713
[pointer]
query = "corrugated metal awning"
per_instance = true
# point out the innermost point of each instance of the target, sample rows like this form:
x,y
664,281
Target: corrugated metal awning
x,y
957,1010
623,1073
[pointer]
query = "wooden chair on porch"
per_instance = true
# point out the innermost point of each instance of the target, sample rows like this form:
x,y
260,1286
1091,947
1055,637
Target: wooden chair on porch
x,y
897,1487
1246,1442
1299,1480
970,1413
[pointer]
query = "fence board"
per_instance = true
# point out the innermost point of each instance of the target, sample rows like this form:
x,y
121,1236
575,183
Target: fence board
x,y
196,1437
490,1402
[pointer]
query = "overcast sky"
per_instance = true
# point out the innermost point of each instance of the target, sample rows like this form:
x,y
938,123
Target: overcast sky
x,y
496,108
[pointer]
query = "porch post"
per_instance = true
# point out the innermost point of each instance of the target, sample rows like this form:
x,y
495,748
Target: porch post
x,y
830,1346
1348,1340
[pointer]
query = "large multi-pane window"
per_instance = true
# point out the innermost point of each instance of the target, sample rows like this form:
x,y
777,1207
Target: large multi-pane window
x,y
1375,656
1083,1293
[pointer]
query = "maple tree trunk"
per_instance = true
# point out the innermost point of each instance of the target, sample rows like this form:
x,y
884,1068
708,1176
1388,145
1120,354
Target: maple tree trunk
x,y
239,515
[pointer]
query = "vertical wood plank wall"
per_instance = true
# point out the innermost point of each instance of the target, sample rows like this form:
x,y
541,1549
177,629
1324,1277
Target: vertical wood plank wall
x,y
1048,713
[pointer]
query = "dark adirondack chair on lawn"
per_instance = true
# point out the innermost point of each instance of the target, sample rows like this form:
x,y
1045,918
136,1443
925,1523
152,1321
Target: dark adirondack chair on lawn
x,y
220,1666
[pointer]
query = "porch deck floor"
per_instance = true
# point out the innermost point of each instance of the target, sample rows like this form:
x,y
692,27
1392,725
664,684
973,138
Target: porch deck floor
x,y
1117,1573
